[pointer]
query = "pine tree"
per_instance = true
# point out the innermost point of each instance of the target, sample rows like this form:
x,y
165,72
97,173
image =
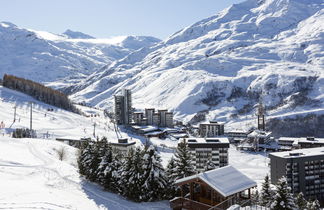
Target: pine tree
x,y
183,161
283,198
210,165
116,171
255,198
93,162
171,175
104,172
132,175
154,181
313,205
266,192
301,201
84,159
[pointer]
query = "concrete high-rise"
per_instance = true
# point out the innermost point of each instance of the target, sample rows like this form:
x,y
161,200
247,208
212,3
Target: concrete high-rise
x,y
123,107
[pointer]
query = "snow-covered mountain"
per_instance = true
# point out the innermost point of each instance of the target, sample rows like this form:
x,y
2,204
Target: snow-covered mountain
x,y
47,57
224,65
77,35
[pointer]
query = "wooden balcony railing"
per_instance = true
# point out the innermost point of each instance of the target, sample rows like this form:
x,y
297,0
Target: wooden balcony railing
x,y
185,203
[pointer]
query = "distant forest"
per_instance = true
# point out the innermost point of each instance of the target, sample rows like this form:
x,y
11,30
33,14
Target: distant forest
x,y
39,92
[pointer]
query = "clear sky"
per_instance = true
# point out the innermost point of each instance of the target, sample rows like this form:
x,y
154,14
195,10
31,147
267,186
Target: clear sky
x,y
107,18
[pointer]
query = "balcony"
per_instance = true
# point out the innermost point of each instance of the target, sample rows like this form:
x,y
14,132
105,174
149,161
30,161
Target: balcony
x,y
185,203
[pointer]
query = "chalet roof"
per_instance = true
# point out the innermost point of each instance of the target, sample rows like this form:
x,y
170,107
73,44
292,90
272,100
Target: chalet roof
x,y
226,180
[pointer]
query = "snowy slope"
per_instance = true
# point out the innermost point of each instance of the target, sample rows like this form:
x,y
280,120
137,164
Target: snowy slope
x,y
32,176
223,65
47,57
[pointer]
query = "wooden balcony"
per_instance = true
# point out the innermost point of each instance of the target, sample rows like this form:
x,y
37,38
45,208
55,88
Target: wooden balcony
x,y
185,203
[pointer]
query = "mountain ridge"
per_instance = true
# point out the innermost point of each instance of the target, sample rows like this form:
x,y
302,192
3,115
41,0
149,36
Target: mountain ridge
x,y
224,64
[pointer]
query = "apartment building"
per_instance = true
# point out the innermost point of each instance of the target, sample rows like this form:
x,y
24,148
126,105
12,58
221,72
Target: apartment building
x,y
123,145
123,107
300,142
204,150
211,129
304,169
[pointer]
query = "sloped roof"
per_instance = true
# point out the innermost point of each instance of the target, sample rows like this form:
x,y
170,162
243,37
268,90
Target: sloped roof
x,y
226,180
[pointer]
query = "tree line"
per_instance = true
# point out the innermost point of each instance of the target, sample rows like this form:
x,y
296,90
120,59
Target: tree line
x,y
39,92
138,175
281,198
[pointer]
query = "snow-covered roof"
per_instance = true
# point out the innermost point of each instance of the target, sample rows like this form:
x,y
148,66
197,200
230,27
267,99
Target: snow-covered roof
x,y
211,140
225,180
258,133
179,135
300,153
297,140
149,129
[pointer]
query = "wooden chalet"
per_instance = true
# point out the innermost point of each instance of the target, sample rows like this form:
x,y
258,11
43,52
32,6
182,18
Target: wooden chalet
x,y
216,189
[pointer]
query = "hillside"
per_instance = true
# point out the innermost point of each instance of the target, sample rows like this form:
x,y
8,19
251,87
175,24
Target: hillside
x,y
59,60
34,177
222,66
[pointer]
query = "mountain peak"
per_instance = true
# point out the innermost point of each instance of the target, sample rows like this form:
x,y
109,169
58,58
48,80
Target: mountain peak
x,y
7,24
77,35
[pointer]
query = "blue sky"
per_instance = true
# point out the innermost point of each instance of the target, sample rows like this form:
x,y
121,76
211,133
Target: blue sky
x,y
106,18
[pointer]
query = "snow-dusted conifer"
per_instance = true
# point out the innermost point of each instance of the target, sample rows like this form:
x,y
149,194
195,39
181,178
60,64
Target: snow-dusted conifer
x,y
93,162
171,175
301,201
104,173
132,175
313,205
210,165
84,158
116,171
154,181
283,198
183,161
266,193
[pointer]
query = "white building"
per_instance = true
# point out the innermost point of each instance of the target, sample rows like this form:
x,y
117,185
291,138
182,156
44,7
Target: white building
x,y
206,150
211,129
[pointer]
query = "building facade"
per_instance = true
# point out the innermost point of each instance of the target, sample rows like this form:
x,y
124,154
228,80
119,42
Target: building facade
x,y
304,169
123,108
211,129
300,142
169,119
123,145
205,150
149,115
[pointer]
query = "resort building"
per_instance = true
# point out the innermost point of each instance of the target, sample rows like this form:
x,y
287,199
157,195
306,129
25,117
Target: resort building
x,y
215,189
123,145
300,142
304,169
123,108
211,129
204,150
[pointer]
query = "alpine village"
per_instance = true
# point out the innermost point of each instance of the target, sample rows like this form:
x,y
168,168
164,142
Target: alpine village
x,y
225,114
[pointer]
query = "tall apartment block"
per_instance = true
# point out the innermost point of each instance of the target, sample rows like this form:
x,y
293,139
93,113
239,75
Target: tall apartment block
x,y
204,150
211,129
169,119
149,115
304,169
162,113
261,118
123,107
